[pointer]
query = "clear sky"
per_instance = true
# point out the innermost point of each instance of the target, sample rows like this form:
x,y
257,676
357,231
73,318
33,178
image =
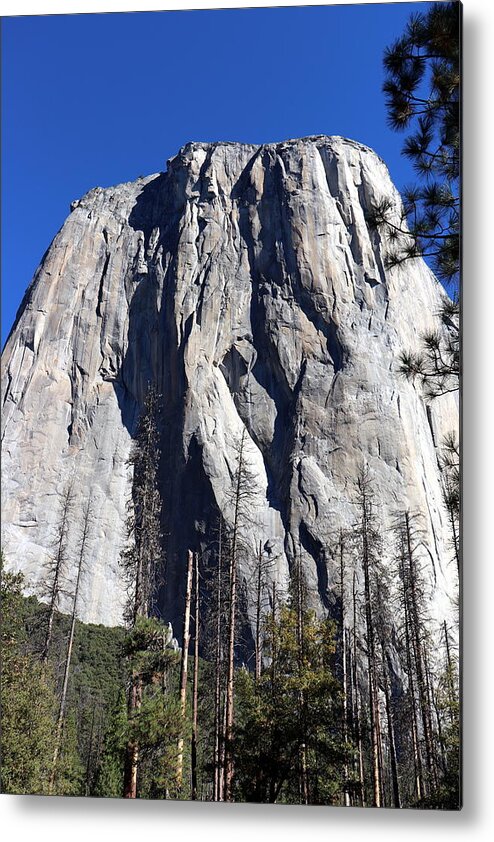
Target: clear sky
x,y
93,100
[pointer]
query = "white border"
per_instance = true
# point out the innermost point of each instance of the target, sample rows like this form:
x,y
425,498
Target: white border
x,y
80,820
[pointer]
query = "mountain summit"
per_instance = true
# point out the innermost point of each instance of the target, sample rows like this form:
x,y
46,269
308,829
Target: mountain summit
x,y
246,285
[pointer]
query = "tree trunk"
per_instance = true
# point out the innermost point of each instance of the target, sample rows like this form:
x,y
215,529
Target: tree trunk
x,y
304,790
68,656
184,666
418,653
57,565
357,714
217,789
195,684
391,736
230,713
258,615
372,676
417,760
132,752
346,794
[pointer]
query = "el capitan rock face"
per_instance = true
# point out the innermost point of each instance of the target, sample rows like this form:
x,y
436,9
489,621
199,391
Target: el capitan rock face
x,y
245,283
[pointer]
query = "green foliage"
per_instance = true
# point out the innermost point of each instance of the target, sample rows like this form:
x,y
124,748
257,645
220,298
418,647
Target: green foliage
x,y
69,778
28,715
29,708
157,727
29,695
422,86
297,700
109,776
154,725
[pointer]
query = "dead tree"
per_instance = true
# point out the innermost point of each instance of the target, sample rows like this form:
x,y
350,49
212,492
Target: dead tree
x,y
395,785
341,551
357,715
403,578
57,563
415,598
369,547
81,566
195,682
218,761
184,664
300,598
142,555
242,498
259,584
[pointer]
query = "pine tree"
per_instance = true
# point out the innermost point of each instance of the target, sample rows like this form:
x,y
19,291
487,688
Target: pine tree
x,y
28,701
413,597
83,548
142,556
422,90
270,730
369,548
242,499
56,565
110,772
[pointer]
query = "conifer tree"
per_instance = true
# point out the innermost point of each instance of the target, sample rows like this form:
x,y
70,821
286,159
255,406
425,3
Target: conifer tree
x,y
369,548
422,90
57,563
242,500
83,548
142,555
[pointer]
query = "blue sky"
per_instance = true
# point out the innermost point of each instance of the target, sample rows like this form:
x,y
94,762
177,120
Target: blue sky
x,y
99,99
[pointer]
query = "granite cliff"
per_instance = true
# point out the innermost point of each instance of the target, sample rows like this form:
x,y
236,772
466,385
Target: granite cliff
x,y
247,285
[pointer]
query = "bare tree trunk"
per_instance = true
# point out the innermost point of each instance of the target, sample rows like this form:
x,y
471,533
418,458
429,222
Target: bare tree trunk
x,y
57,564
68,656
221,776
217,790
373,694
304,789
195,683
346,794
184,666
418,651
132,752
357,713
391,736
140,557
232,624
370,542
417,760
258,614
428,688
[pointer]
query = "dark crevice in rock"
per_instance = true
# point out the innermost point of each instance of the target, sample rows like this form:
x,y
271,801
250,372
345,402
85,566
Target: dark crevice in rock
x,y
315,549
101,285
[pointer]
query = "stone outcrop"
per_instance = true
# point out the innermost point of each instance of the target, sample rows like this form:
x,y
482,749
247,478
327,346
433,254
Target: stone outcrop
x,y
246,283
